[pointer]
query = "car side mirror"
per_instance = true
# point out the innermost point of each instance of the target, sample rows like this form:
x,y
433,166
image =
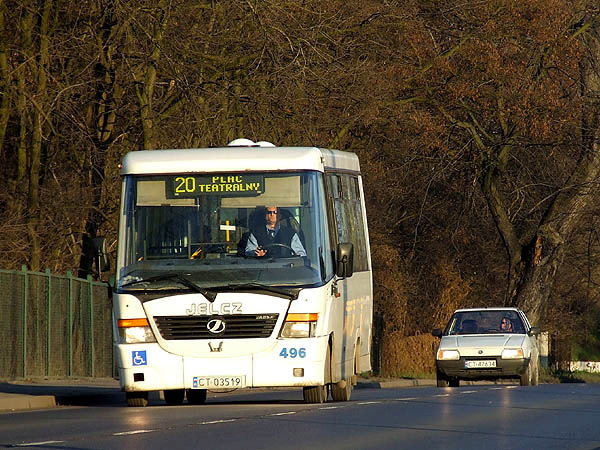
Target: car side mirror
x,y
344,260
437,332
534,331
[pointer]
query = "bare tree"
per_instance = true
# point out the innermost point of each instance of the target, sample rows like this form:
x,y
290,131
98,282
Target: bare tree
x,y
36,25
487,88
101,127
547,249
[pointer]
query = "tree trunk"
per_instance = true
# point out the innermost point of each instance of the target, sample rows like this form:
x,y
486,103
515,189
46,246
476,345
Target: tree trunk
x,y
33,198
145,88
490,187
547,249
5,88
18,201
102,123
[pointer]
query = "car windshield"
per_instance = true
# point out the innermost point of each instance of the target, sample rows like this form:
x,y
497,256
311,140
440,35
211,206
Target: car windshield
x,y
485,322
193,230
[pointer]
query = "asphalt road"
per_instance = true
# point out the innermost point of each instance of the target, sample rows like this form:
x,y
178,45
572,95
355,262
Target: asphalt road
x,y
471,417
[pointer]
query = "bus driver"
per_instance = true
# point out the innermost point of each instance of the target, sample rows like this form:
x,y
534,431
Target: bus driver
x,y
271,237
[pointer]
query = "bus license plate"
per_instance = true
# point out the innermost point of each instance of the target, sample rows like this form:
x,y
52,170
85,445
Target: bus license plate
x,y
226,382
485,364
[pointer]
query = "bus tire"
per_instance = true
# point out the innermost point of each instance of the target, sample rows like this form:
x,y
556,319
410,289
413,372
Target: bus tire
x,y
174,396
318,394
137,398
341,391
196,396
315,394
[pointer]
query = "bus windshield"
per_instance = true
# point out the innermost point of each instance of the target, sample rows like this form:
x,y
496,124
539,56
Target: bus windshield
x,y
205,229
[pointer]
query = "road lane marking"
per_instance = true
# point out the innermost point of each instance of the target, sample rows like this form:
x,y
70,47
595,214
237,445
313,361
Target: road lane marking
x,y
363,403
127,433
33,444
212,422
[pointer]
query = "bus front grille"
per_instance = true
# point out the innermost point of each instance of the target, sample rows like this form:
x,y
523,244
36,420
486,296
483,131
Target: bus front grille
x,y
238,326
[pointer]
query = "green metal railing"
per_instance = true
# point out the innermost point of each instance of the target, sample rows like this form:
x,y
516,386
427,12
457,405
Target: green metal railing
x,y
54,326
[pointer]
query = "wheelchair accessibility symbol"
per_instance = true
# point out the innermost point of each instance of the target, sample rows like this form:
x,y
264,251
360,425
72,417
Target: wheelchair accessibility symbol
x,y
139,358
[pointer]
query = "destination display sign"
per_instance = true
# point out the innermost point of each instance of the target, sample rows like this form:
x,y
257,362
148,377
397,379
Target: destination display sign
x,y
236,185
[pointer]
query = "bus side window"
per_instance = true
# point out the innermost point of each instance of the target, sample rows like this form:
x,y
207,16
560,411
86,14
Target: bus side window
x,y
346,201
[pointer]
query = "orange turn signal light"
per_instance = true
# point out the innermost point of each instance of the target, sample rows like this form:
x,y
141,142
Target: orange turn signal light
x,y
126,323
302,317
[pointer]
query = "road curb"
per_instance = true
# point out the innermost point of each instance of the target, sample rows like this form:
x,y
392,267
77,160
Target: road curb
x,y
14,402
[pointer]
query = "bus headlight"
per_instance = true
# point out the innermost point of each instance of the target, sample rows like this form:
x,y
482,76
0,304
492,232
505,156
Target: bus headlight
x,y
299,325
135,331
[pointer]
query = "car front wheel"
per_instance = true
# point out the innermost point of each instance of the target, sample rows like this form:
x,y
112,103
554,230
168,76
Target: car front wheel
x,y
441,380
525,379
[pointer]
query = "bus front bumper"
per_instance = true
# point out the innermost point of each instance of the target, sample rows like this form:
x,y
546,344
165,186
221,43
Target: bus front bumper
x,y
289,362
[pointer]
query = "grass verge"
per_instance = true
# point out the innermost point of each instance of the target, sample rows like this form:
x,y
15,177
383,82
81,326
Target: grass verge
x,y
563,376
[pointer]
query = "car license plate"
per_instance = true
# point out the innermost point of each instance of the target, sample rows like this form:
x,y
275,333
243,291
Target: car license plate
x,y
225,382
481,364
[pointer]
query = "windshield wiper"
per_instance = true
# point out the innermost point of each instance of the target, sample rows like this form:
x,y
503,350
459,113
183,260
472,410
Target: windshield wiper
x,y
181,279
257,286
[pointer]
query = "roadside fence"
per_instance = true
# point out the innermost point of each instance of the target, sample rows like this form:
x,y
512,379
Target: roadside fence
x,y
54,326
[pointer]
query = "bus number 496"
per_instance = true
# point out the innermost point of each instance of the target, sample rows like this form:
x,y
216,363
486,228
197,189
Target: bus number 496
x,y
293,352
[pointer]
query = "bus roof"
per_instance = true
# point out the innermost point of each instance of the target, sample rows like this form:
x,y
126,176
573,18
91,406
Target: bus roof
x,y
237,159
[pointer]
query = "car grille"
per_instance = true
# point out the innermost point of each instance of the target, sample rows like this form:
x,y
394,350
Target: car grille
x,y
238,326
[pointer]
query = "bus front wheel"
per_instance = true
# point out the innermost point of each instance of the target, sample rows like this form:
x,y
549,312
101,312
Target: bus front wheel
x,y
174,396
340,392
137,398
315,394
318,394
196,396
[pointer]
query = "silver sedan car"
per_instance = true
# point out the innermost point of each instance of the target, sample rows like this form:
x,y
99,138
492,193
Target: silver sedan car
x,y
487,344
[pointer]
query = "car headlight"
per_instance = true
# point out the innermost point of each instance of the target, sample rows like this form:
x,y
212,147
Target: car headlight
x,y
135,331
512,353
448,355
298,325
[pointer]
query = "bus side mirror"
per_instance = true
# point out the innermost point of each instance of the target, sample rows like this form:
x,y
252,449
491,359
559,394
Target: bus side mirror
x,y
344,260
437,332
101,254
109,290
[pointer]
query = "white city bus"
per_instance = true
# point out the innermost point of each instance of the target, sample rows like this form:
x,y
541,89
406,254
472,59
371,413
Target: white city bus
x,y
196,309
